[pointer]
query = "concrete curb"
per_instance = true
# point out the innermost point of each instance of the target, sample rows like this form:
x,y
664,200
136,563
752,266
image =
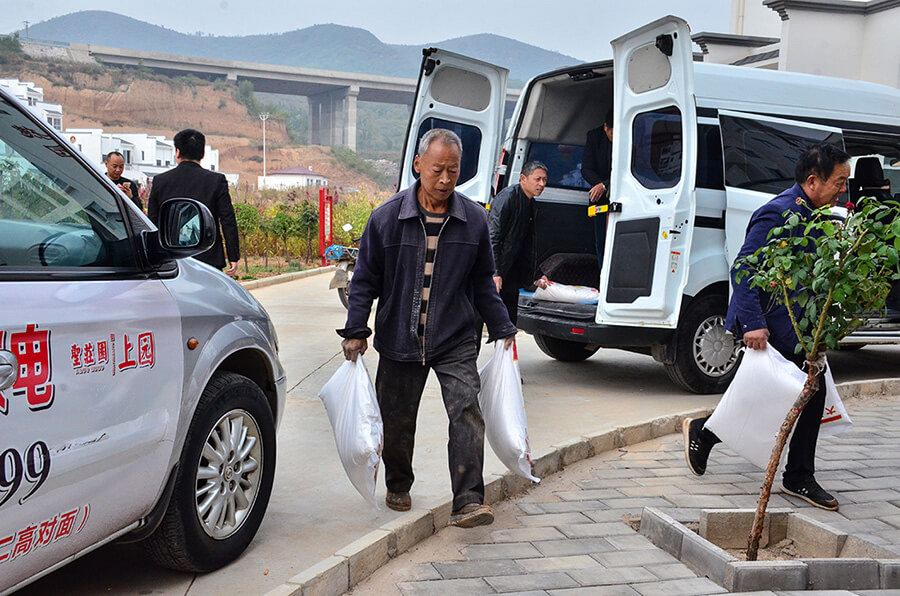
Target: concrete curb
x,y
355,562
284,277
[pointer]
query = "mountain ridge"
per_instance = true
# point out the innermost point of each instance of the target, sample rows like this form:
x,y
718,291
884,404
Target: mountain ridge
x,y
324,46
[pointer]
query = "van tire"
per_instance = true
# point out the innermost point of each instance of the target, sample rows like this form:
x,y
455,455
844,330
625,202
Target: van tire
x,y
565,350
180,542
686,371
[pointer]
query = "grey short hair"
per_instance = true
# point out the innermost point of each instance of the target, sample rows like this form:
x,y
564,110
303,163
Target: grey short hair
x,y
447,137
533,165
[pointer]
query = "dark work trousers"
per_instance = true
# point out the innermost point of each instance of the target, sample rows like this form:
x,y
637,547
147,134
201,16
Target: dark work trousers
x,y
801,460
399,386
600,237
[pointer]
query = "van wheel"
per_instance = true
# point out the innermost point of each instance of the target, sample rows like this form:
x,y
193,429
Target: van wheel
x,y
224,479
564,350
706,356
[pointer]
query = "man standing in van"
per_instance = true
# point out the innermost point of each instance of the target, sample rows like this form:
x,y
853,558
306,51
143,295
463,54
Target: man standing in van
x,y
596,169
426,256
512,234
753,315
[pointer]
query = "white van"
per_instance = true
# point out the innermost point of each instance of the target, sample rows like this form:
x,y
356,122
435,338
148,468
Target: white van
x,y
139,393
697,149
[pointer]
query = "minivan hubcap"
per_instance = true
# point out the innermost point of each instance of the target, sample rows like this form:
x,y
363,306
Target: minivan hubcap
x,y
228,474
715,350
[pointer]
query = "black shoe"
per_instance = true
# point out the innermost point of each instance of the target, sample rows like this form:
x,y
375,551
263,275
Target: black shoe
x,y
812,493
472,515
398,501
696,452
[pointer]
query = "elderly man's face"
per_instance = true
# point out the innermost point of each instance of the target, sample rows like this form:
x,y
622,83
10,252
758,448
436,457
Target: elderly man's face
x,y
826,192
438,170
115,165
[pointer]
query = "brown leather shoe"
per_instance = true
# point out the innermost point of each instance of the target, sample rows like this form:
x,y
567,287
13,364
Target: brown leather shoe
x,y
472,515
398,501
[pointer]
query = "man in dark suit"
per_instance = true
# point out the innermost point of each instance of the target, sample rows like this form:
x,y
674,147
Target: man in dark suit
x,y
754,316
190,180
115,165
596,169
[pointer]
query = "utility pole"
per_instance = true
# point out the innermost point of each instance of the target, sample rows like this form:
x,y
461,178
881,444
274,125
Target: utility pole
x,y
26,23
264,116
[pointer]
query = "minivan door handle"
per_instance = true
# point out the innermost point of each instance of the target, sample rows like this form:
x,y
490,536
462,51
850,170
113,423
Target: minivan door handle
x,y
9,369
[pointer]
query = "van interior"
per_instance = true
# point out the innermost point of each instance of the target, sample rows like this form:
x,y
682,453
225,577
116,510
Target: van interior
x,y
559,111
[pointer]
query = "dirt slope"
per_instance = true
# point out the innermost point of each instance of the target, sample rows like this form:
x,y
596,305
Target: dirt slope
x,y
125,101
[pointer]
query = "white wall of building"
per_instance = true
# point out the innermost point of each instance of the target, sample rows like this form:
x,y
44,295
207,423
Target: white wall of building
x,y
288,181
752,17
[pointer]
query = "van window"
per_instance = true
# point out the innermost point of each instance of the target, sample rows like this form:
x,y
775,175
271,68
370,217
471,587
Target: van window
x,y
656,147
471,140
761,155
710,171
461,88
53,212
564,162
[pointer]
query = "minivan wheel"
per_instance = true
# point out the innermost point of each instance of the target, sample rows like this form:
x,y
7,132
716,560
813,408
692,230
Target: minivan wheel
x,y
706,356
565,350
224,479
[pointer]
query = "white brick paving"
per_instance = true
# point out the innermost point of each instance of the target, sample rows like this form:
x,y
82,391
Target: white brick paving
x,y
574,542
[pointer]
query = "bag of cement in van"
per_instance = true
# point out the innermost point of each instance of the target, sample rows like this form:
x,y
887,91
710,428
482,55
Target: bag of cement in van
x,y
763,390
355,417
557,292
503,407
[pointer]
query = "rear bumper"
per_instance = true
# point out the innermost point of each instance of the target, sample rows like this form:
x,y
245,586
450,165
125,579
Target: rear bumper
x,y
883,331
576,322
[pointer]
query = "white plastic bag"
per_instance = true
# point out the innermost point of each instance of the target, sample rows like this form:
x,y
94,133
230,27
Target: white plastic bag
x,y
556,292
352,407
503,408
756,403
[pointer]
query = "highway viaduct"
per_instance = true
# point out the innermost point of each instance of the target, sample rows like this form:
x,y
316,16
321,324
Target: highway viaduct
x,y
332,95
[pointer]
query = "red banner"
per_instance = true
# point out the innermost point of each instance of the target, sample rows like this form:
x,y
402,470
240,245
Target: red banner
x,y
326,221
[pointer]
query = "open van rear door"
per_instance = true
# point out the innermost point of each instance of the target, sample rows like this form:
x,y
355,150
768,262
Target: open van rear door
x,y
645,265
468,97
760,153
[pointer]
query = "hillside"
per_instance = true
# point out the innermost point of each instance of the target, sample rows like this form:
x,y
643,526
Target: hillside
x,y
120,100
329,46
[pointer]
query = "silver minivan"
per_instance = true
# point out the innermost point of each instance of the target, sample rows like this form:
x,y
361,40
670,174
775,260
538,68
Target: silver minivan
x,y
140,390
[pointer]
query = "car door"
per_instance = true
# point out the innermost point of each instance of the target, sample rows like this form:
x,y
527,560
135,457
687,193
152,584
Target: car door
x,y
468,97
90,359
759,154
645,266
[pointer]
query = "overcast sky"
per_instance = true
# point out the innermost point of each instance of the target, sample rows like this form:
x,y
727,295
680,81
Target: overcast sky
x,y
579,28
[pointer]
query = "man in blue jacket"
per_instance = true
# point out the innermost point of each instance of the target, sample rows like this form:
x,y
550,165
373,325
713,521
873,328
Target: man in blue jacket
x,y
753,315
426,256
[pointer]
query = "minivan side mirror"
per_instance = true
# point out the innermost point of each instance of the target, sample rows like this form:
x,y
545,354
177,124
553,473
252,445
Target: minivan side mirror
x,y
186,228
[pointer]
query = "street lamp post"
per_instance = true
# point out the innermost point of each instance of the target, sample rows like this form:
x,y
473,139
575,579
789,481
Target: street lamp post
x,y
264,116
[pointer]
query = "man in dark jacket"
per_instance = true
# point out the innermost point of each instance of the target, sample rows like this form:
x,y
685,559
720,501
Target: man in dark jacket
x,y
426,256
115,165
756,317
596,169
512,234
191,180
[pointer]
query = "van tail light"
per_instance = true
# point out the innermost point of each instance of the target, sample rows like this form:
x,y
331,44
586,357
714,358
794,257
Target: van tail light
x,y
577,330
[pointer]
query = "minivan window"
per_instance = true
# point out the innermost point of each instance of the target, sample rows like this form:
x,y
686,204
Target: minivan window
x,y
564,163
656,148
710,171
53,212
761,155
471,141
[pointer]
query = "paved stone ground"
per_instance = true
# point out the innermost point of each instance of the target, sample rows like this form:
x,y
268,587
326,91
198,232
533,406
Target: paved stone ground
x,y
567,536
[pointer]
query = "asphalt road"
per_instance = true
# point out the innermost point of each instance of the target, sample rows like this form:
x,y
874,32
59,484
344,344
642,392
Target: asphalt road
x,y
314,510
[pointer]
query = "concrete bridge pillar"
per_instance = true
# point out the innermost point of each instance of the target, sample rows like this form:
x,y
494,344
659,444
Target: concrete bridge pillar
x,y
333,117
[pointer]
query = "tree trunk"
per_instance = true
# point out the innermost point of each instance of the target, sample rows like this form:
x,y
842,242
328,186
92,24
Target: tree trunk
x,y
809,389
